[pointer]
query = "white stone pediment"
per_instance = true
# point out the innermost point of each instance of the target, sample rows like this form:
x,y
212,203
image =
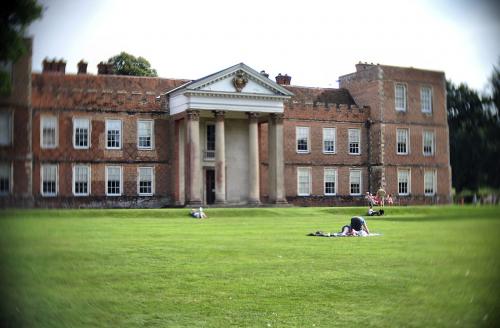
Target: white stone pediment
x,y
237,88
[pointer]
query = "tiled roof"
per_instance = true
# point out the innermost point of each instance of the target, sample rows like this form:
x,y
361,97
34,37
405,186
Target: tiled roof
x,y
321,95
99,91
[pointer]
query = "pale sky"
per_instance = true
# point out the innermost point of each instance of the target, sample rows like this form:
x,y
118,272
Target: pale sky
x,y
313,41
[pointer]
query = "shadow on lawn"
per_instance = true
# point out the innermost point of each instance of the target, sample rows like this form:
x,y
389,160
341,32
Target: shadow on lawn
x,y
430,218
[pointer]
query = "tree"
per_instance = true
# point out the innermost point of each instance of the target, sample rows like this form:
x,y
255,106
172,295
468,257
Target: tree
x,y
15,17
127,64
474,128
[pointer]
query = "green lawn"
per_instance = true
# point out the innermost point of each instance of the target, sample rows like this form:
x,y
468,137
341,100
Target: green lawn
x,y
432,267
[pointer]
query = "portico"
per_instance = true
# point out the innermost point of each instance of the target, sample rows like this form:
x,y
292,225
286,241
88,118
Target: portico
x,y
217,119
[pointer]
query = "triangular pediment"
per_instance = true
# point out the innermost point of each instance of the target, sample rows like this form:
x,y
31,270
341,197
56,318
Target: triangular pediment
x,y
237,79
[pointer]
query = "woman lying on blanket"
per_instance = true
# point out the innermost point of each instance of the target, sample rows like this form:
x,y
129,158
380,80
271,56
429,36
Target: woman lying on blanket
x,y
357,227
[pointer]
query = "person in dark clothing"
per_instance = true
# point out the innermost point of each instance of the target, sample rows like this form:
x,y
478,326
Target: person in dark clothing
x,y
357,227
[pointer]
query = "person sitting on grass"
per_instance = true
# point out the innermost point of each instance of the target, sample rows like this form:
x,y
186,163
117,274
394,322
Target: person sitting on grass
x,y
358,227
372,212
198,214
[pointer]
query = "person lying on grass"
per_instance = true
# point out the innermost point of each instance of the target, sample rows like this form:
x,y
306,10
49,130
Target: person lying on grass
x,y
198,214
358,227
372,212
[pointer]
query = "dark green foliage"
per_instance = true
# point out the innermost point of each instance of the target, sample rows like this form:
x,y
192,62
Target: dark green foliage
x,y
127,64
474,127
15,17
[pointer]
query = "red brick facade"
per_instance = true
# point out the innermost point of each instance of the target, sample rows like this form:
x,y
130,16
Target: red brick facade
x,y
365,103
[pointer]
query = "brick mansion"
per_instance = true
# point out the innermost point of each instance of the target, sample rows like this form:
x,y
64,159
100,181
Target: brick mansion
x,y
232,138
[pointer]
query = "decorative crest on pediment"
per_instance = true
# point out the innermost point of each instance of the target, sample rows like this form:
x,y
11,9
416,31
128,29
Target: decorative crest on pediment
x,y
240,80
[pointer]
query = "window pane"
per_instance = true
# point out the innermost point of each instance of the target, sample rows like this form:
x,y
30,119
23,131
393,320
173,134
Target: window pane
x,y
429,178
428,143
81,179
49,126
5,128
330,175
81,131
402,141
400,97
304,181
114,180
49,179
4,178
329,140
354,140
403,182
113,133
145,133
355,182
426,99
302,139
146,180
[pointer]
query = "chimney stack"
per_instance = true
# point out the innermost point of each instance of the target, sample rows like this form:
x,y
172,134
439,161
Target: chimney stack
x,y
283,79
54,66
82,67
104,68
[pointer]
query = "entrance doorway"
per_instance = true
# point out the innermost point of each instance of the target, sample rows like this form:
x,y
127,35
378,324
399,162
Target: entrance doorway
x,y
210,186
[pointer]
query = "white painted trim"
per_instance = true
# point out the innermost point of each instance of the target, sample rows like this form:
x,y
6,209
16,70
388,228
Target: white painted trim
x,y
334,141
41,180
348,142
407,141
336,181
42,120
89,132
106,180
152,147
352,170
308,151
400,109
106,134
298,181
152,180
409,180
89,179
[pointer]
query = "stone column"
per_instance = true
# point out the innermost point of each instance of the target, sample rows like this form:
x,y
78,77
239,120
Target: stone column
x,y
220,159
253,159
276,160
193,122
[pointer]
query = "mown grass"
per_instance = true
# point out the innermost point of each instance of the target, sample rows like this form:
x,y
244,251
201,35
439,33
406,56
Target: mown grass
x,y
432,267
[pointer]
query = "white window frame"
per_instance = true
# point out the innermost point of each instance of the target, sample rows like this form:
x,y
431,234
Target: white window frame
x,y
349,140
423,99
358,171
10,122
89,179
335,175
10,177
152,180
407,141
408,192
434,182
334,139
308,136
121,180
44,119
209,155
152,126
42,180
121,134
405,97
308,170
75,119
433,143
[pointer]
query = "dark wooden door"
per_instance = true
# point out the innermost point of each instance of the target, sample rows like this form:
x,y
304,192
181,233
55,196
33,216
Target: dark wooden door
x,y
210,186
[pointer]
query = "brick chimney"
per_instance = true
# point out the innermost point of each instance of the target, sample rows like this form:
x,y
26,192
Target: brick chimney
x,y
363,66
82,67
104,68
283,79
54,66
